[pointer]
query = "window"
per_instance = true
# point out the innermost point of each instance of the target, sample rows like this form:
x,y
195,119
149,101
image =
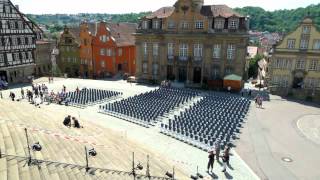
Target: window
x,y
20,25
145,48
1,59
171,25
102,52
313,65
184,25
311,83
316,44
183,52
231,51
145,24
228,71
145,68
24,57
16,57
199,25
120,52
69,59
30,40
102,64
109,52
300,64
7,9
1,8
170,49
304,44
156,24
215,73
22,41
306,29
104,38
218,23
197,50
233,24
14,41
30,56
12,25
155,49
217,51
155,68
291,43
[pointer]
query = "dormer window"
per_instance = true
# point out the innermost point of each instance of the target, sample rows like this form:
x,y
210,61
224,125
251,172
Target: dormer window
x,y
233,23
171,25
219,23
199,24
306,29
145,24
156,24
184,25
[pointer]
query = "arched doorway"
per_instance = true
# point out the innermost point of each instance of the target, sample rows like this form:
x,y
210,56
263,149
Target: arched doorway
x,y
298,79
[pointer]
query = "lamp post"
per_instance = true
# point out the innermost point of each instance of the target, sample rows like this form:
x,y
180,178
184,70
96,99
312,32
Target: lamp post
x,y
92,152
134,167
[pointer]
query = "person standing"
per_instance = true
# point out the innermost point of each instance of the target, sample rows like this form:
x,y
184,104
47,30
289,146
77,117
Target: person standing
x,y
217,148
22,93
211,160
225,159
12,96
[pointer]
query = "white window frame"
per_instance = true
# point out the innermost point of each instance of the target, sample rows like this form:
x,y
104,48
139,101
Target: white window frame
x,y
109,52
156,24
304,44
120,52
12,24
300,64
306,29
198,50
183,50
233,23
16,57
313,66
216,51
102,52
155,49
219,23
184,25
171,24
170,49
231,51
199,24
20,25
102,64
155,69
30,40
145,48
145,68
145,24
2,63
316,44
291,43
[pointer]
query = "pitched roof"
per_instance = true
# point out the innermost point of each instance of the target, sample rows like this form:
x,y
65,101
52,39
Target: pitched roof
x,y
210,10
219,11
161,13
75,31
123,33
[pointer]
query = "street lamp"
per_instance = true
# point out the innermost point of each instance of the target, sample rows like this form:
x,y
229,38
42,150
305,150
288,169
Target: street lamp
x,y
135,167
170,175
92,153
35,147
197,176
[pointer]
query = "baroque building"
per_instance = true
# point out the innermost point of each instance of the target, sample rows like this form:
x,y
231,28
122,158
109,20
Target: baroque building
x,y
295,63
17,44
192,43
68,45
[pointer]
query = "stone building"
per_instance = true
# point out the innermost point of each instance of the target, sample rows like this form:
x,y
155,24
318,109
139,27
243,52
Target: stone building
x,y
295,63
87,32
192,43
43,65
17,44
68,45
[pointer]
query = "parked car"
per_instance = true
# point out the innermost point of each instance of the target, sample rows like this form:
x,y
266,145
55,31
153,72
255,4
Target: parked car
x,y
132,79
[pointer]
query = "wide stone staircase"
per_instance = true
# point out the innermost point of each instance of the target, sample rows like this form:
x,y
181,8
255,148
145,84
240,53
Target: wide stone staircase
x,y
63,155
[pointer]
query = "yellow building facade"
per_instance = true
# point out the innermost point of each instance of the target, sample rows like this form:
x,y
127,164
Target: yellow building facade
x,y
295,64
191,43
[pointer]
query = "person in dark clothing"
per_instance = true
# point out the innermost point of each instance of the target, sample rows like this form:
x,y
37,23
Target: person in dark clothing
x,y
76,123
211,161
22,93
67,121
225,159
12,96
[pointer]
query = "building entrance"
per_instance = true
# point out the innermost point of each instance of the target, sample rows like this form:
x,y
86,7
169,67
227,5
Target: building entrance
x,y
197,75
3,76
182,72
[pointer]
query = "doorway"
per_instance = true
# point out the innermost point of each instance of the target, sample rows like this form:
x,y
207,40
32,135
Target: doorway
x,y
197,75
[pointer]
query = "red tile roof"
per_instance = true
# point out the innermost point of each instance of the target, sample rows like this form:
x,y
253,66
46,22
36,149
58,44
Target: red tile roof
x,y
123,33
211,11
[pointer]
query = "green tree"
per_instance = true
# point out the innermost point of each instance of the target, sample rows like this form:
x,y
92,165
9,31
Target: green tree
x,y
253,66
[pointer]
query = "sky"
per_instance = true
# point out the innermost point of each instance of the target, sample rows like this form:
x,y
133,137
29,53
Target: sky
x,y
128,6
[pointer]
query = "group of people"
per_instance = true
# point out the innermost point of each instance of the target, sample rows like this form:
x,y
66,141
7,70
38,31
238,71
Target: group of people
x,y
68,122
214,153
166,83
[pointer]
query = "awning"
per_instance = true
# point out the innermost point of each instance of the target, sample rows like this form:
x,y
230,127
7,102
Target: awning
x,y
233,77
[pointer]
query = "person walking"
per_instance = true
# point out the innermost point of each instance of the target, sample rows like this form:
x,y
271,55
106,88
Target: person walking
x,y
217,149
22,93
12,96
225,159
211,160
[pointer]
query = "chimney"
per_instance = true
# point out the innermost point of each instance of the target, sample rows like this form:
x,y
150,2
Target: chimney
x,y
17,6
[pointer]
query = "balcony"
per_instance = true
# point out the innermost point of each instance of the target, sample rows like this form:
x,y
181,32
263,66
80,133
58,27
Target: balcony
x,y
170,59
197,60
183,58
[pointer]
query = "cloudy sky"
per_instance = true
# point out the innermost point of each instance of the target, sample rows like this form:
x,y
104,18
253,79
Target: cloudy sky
x,y
126,6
